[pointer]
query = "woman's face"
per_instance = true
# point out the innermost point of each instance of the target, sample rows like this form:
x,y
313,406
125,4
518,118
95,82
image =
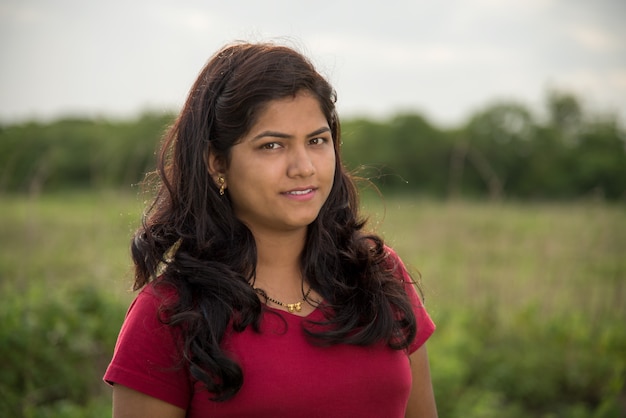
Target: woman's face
x,y
281,172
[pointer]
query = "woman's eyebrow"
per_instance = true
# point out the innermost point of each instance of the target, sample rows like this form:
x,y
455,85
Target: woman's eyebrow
x,y
276,134
320,131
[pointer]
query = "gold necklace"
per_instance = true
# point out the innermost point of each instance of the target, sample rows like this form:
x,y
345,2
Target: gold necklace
x,y
291,307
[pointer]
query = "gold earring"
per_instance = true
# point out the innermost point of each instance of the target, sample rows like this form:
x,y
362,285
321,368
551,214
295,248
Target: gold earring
x,y
222,182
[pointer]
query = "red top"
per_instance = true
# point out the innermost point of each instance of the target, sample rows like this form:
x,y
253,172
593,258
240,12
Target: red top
x,y
283,372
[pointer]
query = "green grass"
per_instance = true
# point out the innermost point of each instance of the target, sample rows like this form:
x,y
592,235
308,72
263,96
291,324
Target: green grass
x,y
561,257
68,239
529,298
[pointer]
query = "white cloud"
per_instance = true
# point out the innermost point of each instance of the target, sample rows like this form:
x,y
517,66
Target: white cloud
x,y
444,57
19,14
587,81
188,19
593,38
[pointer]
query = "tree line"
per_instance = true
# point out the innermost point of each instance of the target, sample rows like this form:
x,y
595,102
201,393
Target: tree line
x,y
504,150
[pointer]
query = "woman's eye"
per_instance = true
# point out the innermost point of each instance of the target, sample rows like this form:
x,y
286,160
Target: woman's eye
x,y
318,141
270,145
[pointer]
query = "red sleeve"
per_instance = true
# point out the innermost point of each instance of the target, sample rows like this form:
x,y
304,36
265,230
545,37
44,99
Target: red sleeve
x,y
147,356
425,325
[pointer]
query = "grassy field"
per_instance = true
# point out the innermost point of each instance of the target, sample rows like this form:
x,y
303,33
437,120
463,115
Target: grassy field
x,y
558,257
529,299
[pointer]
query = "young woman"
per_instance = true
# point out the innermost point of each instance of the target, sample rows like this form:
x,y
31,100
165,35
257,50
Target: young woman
x,y
261,294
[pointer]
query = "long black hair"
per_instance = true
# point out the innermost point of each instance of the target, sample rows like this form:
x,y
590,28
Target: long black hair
x,y
191,240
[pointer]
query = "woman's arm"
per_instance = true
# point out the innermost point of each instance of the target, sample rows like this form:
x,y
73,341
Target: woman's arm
x,y
422,398
129,403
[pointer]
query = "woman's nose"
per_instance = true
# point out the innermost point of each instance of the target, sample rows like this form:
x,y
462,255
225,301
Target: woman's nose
x,y
300,163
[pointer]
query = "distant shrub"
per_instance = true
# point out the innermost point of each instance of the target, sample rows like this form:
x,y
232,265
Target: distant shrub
x,y
504,150
55,345
529,366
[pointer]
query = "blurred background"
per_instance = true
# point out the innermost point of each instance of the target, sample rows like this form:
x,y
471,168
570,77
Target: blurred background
x,y
445,59
495,131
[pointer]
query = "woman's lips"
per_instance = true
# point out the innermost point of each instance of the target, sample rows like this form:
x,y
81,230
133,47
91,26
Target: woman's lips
x,y
301,194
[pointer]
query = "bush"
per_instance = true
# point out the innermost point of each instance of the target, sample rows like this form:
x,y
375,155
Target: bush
x,y
565,366
55,346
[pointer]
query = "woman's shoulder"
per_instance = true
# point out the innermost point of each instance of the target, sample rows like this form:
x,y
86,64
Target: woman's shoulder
x,y
390,253
159,289
393,262
153,297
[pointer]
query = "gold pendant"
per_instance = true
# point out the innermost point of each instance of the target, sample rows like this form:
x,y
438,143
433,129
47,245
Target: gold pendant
x,y
294,307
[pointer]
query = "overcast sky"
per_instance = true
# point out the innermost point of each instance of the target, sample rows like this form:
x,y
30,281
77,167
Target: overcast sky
x,y
445,59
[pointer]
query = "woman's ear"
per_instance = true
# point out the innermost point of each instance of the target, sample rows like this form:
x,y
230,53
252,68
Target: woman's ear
x,y
215,164
217,170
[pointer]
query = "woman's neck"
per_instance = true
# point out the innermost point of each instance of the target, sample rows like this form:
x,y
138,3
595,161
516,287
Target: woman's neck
x,y
278,262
